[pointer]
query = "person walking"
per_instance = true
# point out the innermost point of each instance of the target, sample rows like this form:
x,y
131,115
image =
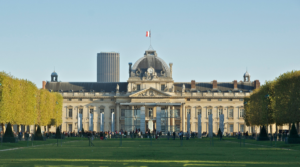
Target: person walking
x,y
168,135
174,135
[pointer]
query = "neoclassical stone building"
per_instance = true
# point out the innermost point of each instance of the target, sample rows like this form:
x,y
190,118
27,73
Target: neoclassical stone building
x,y
150,98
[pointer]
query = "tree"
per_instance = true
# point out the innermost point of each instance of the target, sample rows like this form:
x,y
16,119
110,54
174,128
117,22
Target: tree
x,y
263,134
38,134
9,135
293,137
57,134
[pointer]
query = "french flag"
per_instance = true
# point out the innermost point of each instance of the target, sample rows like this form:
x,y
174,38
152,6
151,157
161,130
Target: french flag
x,y
148,33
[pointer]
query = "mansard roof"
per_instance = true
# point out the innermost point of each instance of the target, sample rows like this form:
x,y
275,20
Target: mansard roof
x,y
221,86
86,86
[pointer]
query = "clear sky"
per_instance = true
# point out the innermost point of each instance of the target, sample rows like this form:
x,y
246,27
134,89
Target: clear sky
x,y
205,40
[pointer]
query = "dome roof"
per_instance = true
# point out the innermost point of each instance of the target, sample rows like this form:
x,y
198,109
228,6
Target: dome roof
x,y
54,74
246,74
151,60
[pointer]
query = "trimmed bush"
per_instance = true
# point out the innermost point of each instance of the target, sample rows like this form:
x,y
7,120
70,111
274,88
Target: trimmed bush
x,y
219,133
9,135
38,134
263,135
293,137
57,134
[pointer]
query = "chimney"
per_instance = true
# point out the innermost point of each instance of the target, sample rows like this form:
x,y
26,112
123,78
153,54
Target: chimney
x,y
193,84
256,84
130,64
235,84
171,70
215,85
44,84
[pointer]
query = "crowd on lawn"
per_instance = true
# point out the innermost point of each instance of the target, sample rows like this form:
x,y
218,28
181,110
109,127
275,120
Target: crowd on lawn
x,y
137,133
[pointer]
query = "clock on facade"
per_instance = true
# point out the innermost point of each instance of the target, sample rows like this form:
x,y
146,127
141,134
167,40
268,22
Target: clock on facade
x,y
150,70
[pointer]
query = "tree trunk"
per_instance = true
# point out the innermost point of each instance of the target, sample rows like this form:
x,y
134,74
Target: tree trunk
x,y
298,124
289,126
271,129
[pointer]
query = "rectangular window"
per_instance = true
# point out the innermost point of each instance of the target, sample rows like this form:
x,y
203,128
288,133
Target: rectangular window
x,y
80,111
242,128
122,113
230,113
220,110
91,99
101,99
70,112
199,111
112,99
208,99
91,111
79,99
219,99
162,87
241,99
229,99
150,112
138,87
70,127
188,99
101,110
242,112
188,111
209,111
231,128
198,99
69,99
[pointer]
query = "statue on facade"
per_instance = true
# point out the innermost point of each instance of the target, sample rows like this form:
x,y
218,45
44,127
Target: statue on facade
x,y
173,88
183,88
117,88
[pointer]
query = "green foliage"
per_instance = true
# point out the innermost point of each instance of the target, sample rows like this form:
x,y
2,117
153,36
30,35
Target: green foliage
x,y
9,135
219,133
8,132
263,134
281,106
38,134
22,103
57,134
293,137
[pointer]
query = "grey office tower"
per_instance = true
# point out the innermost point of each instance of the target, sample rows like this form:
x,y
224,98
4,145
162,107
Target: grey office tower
x,y
108,67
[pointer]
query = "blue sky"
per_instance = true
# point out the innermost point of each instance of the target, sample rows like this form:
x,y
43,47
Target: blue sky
x,y
205,40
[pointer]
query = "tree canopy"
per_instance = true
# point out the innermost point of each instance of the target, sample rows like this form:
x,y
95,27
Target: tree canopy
x,y
276,101
22,103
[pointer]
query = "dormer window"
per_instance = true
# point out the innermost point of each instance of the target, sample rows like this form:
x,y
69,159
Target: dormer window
x,y
229,91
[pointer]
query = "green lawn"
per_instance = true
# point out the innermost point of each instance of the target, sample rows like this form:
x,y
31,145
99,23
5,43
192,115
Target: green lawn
x,y
139,152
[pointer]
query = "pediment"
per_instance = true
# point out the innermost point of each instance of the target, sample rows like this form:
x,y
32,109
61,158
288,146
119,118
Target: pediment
x,y
150,92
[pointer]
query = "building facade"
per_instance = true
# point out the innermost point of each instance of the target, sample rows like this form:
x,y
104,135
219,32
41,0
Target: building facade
x,y
108,67
151,99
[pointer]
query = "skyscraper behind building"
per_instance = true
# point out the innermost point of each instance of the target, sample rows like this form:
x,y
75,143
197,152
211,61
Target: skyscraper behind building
x,y
108,67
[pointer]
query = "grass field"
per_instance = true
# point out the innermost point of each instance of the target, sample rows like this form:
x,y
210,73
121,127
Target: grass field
x,y
139,152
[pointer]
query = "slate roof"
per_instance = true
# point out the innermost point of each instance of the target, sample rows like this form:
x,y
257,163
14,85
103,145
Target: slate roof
x,y
222,86
151,61
86,86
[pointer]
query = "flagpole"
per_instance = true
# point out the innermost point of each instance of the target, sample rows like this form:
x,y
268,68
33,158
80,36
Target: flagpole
x,y
150,38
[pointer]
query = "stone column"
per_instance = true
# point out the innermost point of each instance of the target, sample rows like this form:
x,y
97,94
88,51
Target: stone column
x,y
183,117
169,115
118,118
